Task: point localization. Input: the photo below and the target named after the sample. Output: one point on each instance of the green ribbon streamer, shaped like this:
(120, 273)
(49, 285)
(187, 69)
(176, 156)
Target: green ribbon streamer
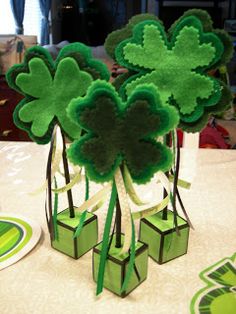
(83, 216)
(131, 261)
(55, 209)
(105, 240)
(86, 188)
(171, 198)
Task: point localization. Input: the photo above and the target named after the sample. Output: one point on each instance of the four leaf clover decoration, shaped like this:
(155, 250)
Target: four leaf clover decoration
(177, 66)
(118, 131)
(49, 86)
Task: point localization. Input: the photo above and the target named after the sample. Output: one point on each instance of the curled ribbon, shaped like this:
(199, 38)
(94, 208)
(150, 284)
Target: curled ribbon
(76, 179)
(182, 183)
(56, 160)
(95, 199)
(162, 178)
(130, 188)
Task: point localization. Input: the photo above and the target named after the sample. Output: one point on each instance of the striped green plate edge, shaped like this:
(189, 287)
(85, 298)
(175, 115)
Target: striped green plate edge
(10, 235)
(30, 237)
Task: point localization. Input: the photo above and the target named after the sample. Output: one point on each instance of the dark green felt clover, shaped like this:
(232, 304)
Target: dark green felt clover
(118, 131)
(49, 86)
(177, 66)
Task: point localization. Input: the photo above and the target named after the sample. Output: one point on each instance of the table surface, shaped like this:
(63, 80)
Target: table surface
(46, 281)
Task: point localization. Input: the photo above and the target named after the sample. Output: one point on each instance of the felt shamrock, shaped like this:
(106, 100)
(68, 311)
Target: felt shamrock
(49, 86)
(118, 131)
(115, 37)
(207, 25)
(178, 67)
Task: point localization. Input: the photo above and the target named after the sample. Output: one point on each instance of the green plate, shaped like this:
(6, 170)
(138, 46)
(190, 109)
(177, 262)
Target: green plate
(18, 236)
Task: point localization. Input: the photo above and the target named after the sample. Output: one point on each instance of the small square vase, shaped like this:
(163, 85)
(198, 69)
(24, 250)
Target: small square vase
(66, 227)
(164, 244)
(116, 267)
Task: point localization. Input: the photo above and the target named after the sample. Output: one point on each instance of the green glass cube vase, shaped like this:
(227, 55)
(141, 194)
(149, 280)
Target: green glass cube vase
(164, 244)
(66, 227)
(116, 267)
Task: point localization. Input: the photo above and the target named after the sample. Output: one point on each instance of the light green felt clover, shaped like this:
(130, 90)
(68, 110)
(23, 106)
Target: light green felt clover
(177, 66)
(51, 95)
(115, 37)
(118, 131)
(207, 25)
(49, 86)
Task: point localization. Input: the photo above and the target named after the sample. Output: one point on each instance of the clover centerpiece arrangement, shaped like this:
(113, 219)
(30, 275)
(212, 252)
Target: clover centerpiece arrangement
(122, 133)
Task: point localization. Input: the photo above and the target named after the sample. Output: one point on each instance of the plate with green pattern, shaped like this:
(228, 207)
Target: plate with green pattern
(18, 236)
(219, 294)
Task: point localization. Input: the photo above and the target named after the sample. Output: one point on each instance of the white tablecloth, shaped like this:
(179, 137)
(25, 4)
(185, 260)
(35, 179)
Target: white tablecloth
(46, 281)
